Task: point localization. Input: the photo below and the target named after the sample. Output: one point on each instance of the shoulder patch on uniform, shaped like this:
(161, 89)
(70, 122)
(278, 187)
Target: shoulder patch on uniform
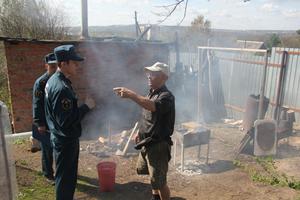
(38, 93)
(66, 104)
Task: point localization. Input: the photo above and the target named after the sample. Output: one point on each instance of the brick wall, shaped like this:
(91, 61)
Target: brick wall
(107, 65)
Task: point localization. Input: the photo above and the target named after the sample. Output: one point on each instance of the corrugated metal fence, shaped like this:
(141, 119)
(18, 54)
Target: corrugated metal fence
(241, 74)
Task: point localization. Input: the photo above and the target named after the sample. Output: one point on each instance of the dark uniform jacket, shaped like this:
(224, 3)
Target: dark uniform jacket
(159, 125)
(38, 95)
(62, 112)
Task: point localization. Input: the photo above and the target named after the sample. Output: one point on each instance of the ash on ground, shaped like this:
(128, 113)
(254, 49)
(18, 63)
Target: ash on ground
(193, 167)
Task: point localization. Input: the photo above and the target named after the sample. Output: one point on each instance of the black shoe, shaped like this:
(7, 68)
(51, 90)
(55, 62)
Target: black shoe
(35, 149)
(50, 180)
(155, 197)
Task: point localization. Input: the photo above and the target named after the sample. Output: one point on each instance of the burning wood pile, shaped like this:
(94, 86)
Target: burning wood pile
(121, 144)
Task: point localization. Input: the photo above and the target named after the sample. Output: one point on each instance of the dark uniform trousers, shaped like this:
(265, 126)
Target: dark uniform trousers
(47, 159)
(39, 119)
(66, 160)
(63, 118)
(47, 152)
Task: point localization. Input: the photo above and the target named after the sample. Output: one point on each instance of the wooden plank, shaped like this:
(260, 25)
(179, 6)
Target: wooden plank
(245, 140)
(234, 108)
(233, 49)
(289, 52)
(192, 125)
(250, 62)
(272, 103)
(295, 109)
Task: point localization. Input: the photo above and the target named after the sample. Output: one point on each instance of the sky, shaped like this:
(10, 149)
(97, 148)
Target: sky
(223, 14)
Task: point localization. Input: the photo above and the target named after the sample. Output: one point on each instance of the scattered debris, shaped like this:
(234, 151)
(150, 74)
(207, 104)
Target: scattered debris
(193, 167)
(234, 123)
(227, 121)
(101, 139)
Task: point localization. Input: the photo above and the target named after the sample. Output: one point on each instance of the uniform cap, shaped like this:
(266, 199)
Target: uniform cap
(50, 58)
(66, 53)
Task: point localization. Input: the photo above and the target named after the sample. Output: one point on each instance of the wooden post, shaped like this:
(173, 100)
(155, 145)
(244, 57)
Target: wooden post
(199, 151)
(262, 89)
(199, 88)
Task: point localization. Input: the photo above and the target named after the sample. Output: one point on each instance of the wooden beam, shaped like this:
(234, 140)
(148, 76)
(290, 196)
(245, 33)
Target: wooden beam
(234, 108)
(250, 62)
(289, 52)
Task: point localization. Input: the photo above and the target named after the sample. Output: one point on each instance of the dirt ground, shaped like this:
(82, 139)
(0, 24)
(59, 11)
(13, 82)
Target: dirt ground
(220, 179)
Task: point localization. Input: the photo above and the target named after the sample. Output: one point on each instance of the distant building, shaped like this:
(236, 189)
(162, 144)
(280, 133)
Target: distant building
(246, 44)
(152, 34)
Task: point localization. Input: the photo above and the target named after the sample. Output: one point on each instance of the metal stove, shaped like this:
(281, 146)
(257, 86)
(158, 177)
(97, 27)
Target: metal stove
(188, 135)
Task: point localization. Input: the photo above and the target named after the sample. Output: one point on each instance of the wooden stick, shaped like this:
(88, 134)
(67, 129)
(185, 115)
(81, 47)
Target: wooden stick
(127, 144)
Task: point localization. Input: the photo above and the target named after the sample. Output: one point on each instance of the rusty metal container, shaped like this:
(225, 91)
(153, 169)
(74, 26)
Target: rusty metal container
(285, 123)
(251, 111)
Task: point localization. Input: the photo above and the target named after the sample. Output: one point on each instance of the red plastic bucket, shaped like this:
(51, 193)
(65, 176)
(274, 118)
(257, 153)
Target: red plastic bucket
(106, 175)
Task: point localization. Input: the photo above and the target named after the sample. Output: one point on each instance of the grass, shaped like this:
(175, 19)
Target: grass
(33, 186)
(19, 141)
(268, 173)
(23, 162)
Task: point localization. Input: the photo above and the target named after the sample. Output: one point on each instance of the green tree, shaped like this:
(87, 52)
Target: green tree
(298, 32)
(274, 41)
(197, 33)
(36, 19)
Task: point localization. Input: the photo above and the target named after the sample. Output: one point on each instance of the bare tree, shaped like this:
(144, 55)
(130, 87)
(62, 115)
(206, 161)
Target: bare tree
(32, 19)
(170, 9)
(4, 92)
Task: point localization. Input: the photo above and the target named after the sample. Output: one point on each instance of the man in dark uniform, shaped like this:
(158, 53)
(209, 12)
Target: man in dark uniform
(63, 117)
(40, 129)
(156, 128)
